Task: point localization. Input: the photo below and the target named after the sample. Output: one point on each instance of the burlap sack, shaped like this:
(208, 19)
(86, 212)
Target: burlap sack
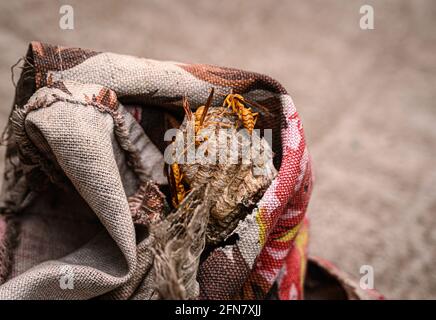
(84, 187)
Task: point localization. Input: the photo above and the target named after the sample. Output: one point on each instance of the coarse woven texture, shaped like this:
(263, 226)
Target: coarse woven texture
(70, 133)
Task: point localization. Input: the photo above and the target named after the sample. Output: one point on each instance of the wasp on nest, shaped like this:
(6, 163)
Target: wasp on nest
(228, 155)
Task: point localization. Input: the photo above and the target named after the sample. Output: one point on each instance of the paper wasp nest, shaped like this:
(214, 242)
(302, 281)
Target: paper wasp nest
(235, 162)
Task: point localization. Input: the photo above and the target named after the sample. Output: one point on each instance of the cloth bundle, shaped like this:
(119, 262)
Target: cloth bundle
(84, 189)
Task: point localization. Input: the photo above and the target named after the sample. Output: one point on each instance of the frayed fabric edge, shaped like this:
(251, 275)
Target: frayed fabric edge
(8, 241)
(179, 242)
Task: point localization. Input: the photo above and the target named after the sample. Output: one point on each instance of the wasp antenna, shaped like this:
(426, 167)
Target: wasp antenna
(207, 106)
(209, 99)
(258, 106)
(187, 108)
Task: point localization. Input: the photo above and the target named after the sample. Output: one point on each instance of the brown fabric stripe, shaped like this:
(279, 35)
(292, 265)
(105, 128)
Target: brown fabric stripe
(47, 58)
(240, 81)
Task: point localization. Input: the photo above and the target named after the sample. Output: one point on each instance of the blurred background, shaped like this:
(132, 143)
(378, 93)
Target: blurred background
(367, 99)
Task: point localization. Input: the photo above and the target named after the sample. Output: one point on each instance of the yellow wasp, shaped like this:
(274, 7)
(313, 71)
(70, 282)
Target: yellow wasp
(245, 115)
(176, 176)
(176, 184)
(199, 115)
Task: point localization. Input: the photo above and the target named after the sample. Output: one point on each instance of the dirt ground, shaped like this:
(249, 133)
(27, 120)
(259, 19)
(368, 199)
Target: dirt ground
(366, 97)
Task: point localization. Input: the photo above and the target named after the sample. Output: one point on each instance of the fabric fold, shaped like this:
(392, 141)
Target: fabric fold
(79, 136)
